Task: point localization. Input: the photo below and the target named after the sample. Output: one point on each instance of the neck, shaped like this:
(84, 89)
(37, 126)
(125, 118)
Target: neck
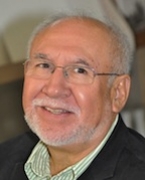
(64, 157)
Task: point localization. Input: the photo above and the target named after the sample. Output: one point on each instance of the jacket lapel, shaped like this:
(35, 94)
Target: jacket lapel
(20, 156)
(18, 172)
(104, 165)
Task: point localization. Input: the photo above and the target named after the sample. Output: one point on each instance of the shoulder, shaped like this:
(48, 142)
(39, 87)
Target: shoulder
(130, 136)
(131, 161)
(136, 144)
(19, 146)
(131, 140)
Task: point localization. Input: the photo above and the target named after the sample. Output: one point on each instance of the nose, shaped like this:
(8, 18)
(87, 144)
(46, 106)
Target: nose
(57, 86)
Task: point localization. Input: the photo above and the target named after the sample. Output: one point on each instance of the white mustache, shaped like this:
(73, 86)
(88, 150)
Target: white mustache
(56, 104)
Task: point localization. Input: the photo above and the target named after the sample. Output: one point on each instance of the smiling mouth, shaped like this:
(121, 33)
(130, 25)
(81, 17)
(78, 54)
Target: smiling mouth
(56, 111)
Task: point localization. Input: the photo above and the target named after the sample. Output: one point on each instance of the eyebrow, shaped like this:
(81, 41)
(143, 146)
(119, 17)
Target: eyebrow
(82, 61)
(77, 61)
(41, 56)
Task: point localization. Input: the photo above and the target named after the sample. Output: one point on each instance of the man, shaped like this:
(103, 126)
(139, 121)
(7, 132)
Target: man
(76, 83)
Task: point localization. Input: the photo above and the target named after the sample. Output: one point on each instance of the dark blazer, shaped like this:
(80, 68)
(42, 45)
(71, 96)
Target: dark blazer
(122, 158)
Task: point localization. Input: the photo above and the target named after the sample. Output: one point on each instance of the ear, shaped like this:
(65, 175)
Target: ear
(120, 92)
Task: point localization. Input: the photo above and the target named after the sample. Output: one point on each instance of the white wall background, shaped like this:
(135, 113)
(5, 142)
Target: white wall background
(11, 9)
(18, 18)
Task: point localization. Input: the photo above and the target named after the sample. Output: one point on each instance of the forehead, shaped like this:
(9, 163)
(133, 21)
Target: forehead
(85, 28)
(88, 35)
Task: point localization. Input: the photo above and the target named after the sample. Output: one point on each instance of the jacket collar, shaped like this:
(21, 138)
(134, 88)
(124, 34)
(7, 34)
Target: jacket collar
(105, 163)
(19, 157)
(18, 172)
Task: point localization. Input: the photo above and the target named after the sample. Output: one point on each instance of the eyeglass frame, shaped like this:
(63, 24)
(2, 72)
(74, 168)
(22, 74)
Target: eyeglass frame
(94, 73)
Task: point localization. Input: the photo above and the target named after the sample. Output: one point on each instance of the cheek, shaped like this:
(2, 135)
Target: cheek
(88, 100)
(30, 90)
(92, 101)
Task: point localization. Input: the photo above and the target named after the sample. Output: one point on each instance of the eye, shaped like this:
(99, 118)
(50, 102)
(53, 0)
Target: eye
(81, 70)
(43, 65)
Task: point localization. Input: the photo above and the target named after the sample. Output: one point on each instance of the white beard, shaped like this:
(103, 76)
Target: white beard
(79, 133)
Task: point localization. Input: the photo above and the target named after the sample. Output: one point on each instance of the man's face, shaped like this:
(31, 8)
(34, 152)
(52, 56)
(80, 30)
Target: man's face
(62, 112)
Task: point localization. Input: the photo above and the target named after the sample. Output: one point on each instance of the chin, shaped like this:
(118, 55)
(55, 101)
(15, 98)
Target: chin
(59, 138)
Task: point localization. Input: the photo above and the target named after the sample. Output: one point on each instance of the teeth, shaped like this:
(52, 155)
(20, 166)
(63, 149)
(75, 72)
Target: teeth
(56, 111)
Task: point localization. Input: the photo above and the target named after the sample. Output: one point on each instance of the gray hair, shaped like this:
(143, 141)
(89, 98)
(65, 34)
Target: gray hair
(121, 53)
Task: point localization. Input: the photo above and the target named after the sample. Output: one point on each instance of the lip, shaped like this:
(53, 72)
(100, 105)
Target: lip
(55, 115)
(56, 111)
(55, 107)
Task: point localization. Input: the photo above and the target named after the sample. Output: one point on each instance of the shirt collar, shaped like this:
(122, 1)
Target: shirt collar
(38, 162)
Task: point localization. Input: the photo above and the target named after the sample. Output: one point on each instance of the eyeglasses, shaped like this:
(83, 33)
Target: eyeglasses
(74, 73)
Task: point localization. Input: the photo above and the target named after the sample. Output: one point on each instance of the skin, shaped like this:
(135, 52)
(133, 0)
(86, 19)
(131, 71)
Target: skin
(73, 135)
